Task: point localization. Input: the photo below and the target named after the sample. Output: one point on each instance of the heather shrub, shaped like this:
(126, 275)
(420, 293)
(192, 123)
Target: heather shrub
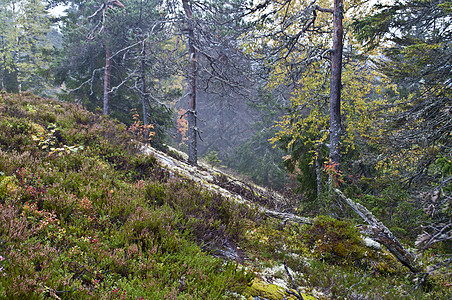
(84, 215)
(210, 218)
(336, 241)
(155, 193)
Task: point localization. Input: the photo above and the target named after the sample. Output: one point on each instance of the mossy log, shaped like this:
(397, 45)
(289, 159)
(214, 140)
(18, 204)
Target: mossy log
(208, 178)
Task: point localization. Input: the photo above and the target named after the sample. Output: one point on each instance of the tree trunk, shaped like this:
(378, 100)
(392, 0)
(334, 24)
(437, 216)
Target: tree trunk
(318, 172)
(191, 112)
(335, 88)
(221, 127)
(107, 77)
(144, 92)
(286, 217)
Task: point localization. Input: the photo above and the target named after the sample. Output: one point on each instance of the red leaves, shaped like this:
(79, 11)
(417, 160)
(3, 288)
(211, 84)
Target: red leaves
(333, 172)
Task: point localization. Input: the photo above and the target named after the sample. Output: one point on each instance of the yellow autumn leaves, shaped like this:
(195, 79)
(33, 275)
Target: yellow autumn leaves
(363, 96)
(306, 69)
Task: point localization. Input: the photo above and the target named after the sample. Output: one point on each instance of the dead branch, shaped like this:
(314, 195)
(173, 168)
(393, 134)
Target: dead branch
(89, 80)
(285, 217)
(103, 8)
(297, 294)
(322, 9)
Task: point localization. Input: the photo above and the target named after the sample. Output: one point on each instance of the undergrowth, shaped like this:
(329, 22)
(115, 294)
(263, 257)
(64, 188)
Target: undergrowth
(330, 257)
(85, 215)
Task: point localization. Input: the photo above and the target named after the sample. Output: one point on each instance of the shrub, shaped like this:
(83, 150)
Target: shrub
(95, 223)
(336, 241)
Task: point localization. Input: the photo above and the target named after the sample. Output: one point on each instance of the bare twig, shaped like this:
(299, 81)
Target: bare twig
(297, 294)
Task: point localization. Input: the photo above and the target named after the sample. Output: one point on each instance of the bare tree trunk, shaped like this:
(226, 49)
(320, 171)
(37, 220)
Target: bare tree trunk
(318, 172)
(144, 91)
(107, 77)
(191, 112)
(221, 127)
(286, 217)
(335, 89)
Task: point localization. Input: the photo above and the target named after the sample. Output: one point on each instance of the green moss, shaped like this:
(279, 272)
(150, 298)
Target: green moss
(336, 241)
(8, 186)
(270, 292)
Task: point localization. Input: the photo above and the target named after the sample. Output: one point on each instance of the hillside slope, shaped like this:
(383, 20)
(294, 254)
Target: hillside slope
(87, 212)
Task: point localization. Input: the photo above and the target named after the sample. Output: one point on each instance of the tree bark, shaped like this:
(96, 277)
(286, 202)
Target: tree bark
(335, 88)
(107, 78)
(285, 217)
(191, 112)
(318, 176)
(144, 91)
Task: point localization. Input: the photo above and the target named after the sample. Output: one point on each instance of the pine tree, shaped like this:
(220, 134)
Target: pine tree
(417, 41)
(116, 57)
(25, 54)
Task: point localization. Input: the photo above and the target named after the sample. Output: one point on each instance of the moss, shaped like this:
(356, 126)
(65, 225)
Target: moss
(8, 185)
(37, 128)
(336, 241)
(270, 292)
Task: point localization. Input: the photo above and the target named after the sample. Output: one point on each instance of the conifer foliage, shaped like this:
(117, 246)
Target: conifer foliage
(25, 52)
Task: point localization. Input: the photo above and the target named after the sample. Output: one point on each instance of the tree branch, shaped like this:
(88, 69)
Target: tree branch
(322, 9)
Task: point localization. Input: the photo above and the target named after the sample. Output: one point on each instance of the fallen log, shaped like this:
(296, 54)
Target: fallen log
(287, 217)
(376, 230)
(380, 233)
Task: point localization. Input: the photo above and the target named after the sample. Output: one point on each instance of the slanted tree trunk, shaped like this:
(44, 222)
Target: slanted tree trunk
(335, 88)
(191, 112)
(380, 233)
(287, 217)
(107, 78)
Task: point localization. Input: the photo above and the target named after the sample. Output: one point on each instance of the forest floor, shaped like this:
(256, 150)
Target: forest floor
(87, 212)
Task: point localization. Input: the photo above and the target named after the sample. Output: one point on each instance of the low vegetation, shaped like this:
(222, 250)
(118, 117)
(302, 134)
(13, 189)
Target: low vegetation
(85, 215)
